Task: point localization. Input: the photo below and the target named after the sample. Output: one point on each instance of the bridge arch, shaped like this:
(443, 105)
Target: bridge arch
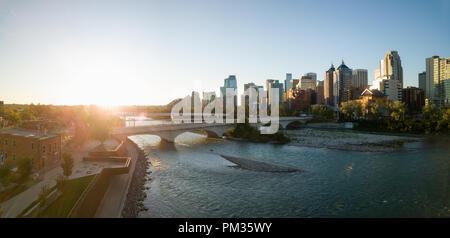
(285, 124)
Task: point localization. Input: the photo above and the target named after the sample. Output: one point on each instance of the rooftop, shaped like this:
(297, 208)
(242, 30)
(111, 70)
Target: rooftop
(28, 133)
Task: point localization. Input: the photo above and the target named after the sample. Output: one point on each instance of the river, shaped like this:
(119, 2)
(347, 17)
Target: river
(190, 179)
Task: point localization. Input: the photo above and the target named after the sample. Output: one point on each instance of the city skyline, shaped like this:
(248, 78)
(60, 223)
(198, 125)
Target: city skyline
(79, 53)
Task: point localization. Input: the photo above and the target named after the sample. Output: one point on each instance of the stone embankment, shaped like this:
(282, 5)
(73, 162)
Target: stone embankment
(136, 192)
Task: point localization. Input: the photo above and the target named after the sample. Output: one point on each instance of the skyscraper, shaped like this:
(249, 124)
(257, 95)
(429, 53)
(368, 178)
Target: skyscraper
(307, 82)
(391, 66)
(256, 87)
(342, 84)
(313, 77)
(389, 77)
(423, 81)
(438, 80)
(319, 92)
(359, 78)
(273, 83)
(287, 82)
(229, 83)
(328, 86)
(293, 83)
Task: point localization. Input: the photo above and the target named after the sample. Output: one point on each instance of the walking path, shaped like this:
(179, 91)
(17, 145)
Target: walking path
(114, 199)
(15, 205)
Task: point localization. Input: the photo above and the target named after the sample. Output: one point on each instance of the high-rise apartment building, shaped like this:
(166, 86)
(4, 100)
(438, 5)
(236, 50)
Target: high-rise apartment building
(438, 80)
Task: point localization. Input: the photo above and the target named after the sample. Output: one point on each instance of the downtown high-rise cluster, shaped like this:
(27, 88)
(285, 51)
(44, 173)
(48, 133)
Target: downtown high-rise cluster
(343, 84)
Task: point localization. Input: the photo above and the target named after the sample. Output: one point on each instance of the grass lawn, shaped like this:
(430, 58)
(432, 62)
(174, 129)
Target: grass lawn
(13, 191)
(62, 206)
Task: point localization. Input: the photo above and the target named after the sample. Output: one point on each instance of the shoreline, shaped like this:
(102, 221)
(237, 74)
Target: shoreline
(135, 194)
(385, 143)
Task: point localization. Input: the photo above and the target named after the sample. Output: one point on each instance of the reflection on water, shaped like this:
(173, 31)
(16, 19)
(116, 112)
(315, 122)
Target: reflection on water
(191, 180)
(136, 121)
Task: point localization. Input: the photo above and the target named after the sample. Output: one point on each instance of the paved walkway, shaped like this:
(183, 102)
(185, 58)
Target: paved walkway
(18, 203)
(114, 199)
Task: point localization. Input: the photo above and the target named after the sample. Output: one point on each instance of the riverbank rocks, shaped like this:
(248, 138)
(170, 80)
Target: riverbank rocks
(136, 194)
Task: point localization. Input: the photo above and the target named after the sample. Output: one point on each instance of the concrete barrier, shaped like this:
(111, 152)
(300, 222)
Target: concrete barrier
(87, 204)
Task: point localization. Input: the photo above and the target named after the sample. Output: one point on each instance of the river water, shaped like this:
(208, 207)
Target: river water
(190, 179)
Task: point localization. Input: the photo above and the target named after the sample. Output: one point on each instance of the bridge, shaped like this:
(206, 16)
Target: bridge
(168, 132)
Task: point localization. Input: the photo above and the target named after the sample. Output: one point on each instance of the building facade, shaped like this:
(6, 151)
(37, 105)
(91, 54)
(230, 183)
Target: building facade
(313, 77)
(306, 82)
(273, 83)
(342, 84)
(414, 99)
(328, 86)
(389, 77)
(437, 80)
(287, 82)
(423, 81)
(18, 144)
(229, 83)
(391, 67)
(320, 92)
(359, 78)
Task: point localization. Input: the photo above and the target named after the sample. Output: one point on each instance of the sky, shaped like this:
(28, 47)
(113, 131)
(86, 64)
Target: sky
(151, 52)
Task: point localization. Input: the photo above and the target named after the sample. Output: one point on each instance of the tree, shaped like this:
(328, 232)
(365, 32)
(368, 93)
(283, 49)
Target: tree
(397, 110)
(301, 101)
(322, 113)
(61, 182)
(351, 109)
(42, 196)
(430, 117)
(67, 164)
(24, 167)
(26, 114)
(5, 174)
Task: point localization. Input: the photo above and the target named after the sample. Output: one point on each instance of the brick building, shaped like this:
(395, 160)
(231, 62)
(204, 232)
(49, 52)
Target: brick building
(17, 144)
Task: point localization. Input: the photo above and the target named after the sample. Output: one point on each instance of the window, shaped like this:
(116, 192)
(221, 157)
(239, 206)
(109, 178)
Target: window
(14, 157)
(14, 143)
(43, 148)
(56, 148)
(50, 148)
(32, 146)
(6, 141)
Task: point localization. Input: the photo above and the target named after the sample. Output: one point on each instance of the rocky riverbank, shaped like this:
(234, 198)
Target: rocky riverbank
(133, 204)
(348, 141)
